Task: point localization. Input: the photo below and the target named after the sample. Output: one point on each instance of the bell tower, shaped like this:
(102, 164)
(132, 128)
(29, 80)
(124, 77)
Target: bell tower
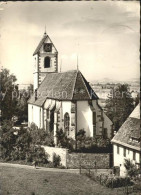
(46, 60)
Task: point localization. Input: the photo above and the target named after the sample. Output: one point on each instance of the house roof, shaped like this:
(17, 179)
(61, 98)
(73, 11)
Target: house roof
(129, 134)
(69, 85)
(41, 43)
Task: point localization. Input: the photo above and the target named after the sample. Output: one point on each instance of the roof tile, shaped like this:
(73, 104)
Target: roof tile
(69, 85)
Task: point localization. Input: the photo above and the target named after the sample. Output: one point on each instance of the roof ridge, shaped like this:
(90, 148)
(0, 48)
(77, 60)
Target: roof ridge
(84, 84)
(74, 85)
(40, 44)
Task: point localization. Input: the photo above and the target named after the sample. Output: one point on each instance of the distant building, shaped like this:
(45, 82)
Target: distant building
(127, 142)
(64, 100)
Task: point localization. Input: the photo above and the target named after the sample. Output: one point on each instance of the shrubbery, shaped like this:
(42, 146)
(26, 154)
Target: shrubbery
(111, 181)
(83, 143)
(56, 160)
(40, 136)
(64, 141)
(21, 144)
(132, 170)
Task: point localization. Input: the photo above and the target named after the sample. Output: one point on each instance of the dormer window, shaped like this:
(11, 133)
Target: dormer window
(47, 62)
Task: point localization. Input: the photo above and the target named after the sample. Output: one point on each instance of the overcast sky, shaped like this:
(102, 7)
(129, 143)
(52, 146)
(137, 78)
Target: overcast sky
(105, 35)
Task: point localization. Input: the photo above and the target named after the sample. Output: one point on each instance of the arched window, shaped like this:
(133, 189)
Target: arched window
(66, 122)
(51, 120)
(47, 62)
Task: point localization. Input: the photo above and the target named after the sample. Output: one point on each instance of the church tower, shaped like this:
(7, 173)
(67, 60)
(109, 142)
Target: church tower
(46, 60)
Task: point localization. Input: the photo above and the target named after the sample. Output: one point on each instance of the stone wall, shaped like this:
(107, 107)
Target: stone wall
(73, 160)
(88, 160)
(62, 152)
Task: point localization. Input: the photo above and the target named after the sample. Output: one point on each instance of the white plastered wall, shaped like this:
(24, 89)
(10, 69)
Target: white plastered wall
(35, 115)
(84, 117)
(119, 158)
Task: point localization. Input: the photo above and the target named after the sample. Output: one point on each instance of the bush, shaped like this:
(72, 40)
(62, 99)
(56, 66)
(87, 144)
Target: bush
(22, 145)
(56, 160)
(131, 168)
(40, 136)
(83, 143)
(65, 142)
(37, 153)
(89, 144)
(111, 181)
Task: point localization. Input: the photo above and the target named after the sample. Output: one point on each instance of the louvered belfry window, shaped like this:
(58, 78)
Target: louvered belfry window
(66, 122)
(47, 62)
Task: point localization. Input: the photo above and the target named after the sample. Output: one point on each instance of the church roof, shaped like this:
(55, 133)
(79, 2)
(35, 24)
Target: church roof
(41, 43)
(129, 135)
(69, 85)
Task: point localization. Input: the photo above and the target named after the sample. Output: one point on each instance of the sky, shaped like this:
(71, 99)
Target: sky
(105, 35)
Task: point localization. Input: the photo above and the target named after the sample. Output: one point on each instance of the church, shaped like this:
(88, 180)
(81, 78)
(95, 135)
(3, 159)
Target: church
(64, 100)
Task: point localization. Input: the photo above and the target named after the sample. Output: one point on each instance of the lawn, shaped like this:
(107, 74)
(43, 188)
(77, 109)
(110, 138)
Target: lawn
(30, 181)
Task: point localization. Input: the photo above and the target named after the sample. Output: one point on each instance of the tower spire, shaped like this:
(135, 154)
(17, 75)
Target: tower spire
(45, 31)
(61, 66)
(77, 63)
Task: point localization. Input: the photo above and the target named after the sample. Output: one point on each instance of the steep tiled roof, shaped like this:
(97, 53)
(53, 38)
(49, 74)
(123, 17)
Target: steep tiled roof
(69, 85)
(40, 44)
(129, 134)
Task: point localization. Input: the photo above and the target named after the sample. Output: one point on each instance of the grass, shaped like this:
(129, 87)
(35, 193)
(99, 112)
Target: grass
(30, 181)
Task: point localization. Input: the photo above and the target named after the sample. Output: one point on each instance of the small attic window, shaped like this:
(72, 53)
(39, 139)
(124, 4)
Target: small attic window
(47, 62)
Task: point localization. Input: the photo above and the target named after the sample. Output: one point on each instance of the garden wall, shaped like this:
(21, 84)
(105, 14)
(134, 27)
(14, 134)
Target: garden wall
(88, 160)
(74, 160)
(62, 152)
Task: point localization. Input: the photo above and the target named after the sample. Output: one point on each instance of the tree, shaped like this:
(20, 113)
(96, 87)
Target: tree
(20, 144)
(7, 90)
(7, 139)
(13, 101)
(22, 106)
(119, 105)
(131, 168)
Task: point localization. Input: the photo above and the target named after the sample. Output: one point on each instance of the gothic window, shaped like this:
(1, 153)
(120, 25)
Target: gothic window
(32, 113)
(105, 133)
(52, 120)
(117, 149)
(134, 155)
(47, 112)
(66, 122)
(47, 62)
(124, 152)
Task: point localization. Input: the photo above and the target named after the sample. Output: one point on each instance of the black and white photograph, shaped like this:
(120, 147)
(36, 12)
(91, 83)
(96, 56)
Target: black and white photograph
(70, 98)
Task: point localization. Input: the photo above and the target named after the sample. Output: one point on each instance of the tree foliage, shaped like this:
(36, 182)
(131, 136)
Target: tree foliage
(83, 143)
(22, 106)
(20, 145)
(119, 105)
(131, 168)
(13, 101)
(8, 104)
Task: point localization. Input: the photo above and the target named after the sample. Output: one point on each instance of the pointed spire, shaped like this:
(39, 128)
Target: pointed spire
(45, 31)
(77, 63)
(61, 66)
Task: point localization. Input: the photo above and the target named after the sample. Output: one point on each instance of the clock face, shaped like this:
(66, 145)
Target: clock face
(48, 47)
